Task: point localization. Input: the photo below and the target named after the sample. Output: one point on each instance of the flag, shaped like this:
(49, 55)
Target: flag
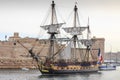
(100, 58)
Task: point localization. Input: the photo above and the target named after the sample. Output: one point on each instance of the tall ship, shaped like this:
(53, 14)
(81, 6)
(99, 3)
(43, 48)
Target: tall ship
(74, 55)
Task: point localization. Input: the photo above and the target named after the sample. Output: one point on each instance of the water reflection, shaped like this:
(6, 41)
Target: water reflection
(35, 75)
(82, 76)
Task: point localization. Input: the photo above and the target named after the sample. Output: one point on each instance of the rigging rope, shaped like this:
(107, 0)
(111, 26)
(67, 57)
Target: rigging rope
(46, 17)
(41, 49)
(57, 10)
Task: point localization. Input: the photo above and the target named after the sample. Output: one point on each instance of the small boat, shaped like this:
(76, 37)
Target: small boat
(107, 67)
(25, 69)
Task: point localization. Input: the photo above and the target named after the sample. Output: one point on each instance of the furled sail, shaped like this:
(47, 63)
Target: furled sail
(52, 28)
(75, 30)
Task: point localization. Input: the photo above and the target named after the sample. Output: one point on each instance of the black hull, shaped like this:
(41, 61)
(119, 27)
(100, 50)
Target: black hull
(69, 71)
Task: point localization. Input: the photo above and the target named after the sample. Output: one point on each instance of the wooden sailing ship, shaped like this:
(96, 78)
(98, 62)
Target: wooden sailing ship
(69, 57)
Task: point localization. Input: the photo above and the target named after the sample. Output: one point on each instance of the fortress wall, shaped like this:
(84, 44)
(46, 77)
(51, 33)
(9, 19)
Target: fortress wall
(13, 55)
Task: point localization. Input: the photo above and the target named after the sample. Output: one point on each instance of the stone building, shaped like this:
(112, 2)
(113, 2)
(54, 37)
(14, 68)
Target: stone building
(15, 55)
(14, 37)
(99, 43)
(113, 56)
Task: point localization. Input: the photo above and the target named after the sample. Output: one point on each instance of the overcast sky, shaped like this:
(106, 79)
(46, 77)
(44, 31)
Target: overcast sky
(25, 17)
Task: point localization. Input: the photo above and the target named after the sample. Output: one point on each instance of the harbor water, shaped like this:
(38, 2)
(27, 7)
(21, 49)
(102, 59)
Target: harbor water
(13, 74)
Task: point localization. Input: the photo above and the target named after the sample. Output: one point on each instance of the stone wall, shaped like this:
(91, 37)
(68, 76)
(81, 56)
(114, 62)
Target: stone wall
(17, 63)
(99, 43)
(14, 55)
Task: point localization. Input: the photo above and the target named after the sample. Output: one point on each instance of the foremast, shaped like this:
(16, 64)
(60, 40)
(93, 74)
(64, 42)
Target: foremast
(53, 29)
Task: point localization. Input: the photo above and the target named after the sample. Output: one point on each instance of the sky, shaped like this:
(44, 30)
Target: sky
(25, 17)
